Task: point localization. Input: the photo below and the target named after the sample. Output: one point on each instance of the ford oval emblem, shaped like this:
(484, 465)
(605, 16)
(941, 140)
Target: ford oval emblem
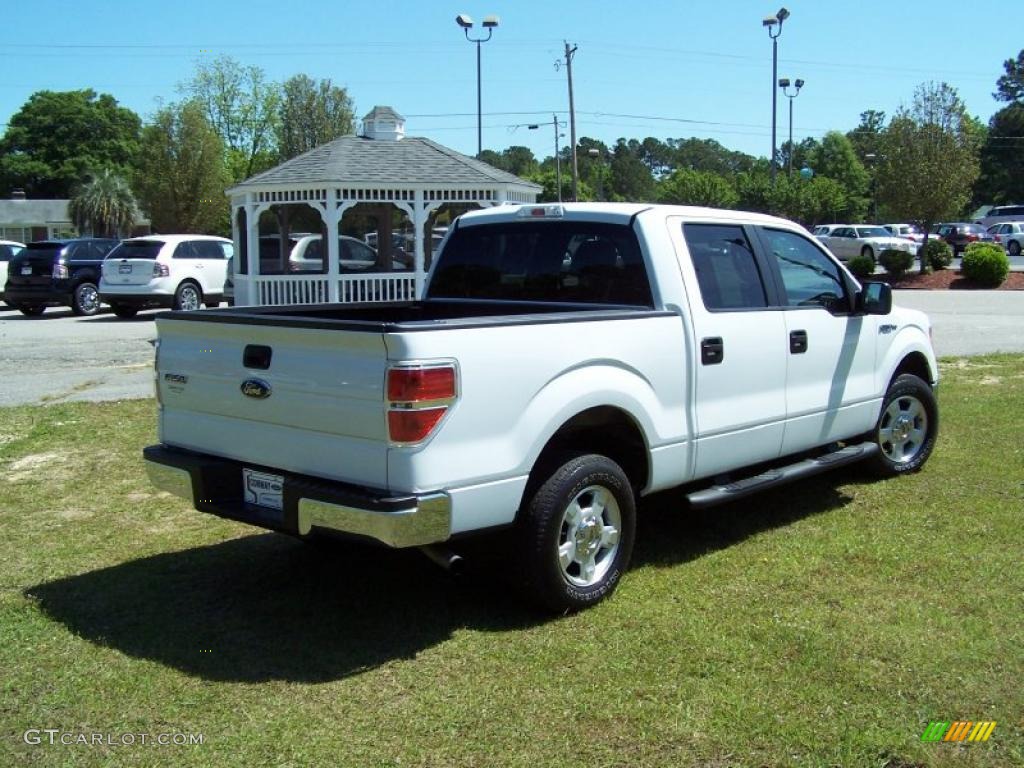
(257, 388)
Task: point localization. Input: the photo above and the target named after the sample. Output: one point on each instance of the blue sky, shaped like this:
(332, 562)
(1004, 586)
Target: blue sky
(664, 69)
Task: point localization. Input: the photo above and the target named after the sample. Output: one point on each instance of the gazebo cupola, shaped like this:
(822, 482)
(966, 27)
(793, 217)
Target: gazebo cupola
(379, 171)
(383, 124)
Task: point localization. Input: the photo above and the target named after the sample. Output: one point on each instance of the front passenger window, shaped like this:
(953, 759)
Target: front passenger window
(810, 278)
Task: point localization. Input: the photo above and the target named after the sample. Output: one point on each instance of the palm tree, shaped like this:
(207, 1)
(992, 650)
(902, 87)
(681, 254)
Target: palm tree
(104, 204)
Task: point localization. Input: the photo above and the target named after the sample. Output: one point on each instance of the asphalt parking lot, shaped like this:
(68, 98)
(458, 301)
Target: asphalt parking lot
(59, 357)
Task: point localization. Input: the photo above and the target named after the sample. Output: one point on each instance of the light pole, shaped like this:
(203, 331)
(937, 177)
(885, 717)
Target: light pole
(558, 160)
(489, 23)
(784, 85)
(774, 26)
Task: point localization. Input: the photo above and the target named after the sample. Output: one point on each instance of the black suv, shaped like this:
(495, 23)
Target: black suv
(57, 272)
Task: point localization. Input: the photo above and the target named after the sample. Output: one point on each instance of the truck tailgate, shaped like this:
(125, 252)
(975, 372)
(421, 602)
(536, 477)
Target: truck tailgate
(323, 409)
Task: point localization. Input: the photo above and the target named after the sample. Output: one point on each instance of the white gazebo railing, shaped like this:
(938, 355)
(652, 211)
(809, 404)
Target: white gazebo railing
(278, 290)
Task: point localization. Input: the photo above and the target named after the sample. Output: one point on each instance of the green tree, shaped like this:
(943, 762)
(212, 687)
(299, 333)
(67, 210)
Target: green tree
(708, 155)
(631, 179)
(311, 114)
(866, 138)
(58, 138)
(181, 175)
(104, 205)
(1010, 86)
(242, 107)
(685, 186)
(836, 159)
(929, 158)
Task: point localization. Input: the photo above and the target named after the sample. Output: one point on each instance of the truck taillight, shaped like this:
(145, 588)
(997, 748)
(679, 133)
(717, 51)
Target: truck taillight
(161, 270)
(60, 271)
(418, 398)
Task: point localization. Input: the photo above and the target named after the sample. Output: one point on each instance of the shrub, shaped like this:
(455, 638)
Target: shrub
(937, 253)
(896, 263)
(986, 264)
(862, 266)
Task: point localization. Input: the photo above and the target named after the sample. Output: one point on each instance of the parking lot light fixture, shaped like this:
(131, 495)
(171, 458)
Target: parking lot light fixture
(774, 26)
(489, 23)
(784, 85)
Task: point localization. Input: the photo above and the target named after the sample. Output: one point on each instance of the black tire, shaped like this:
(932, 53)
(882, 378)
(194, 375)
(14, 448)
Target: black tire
(869, 252)
(907, 426)
(124, 311)
(188, 297)
(85, 300)
(1013, 248)
(543, 529)
(32, 310)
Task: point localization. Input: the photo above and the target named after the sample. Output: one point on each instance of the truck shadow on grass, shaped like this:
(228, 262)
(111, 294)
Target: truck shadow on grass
(266, 607)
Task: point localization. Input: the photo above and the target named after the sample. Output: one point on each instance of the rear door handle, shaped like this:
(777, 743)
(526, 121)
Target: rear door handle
(798, 342)
(712, 351)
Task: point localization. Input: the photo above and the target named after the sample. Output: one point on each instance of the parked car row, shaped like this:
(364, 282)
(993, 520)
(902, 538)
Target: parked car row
(180, 271)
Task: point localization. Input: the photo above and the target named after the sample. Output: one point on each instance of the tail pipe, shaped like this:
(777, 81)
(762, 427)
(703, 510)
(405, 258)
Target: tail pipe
(445, 558)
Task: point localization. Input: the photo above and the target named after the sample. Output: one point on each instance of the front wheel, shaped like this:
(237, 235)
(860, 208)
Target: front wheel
(188, 297)
(907, 427)
(868, 252)
(577, 534)
(85, 300)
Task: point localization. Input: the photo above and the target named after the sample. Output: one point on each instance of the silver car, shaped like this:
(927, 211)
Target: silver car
(849, 240)
(1010, 235)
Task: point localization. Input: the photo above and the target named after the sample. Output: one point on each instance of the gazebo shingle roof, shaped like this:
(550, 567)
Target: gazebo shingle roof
(357, 160)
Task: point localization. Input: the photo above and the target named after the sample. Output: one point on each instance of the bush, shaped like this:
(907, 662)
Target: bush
(896, 263)
(862, 266)
(937, 253)
(986, 264)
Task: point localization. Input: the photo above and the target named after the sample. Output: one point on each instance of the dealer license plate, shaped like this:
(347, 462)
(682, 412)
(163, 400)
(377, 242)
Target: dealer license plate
(124, 269)
(263, 489)
(26, 270)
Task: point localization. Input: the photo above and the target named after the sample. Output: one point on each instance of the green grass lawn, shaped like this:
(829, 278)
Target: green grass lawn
(821, 624)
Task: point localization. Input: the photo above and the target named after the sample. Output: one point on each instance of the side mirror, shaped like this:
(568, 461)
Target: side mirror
(875, 299)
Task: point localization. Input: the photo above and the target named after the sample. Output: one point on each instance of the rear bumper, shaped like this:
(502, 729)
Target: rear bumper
(37, 294)
(214, 485)
(132, 297)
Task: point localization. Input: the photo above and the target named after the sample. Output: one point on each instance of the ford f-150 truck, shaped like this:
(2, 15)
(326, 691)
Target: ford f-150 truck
(564, 360)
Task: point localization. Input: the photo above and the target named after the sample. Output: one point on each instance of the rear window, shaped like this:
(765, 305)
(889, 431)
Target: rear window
(577, 262)
(140, 249)
(36, 248)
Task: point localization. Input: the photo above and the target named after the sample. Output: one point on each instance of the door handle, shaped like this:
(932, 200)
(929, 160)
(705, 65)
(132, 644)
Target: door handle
(712, 351)
(798, 342)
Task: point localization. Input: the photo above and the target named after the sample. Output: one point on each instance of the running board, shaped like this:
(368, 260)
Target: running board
(720, 494)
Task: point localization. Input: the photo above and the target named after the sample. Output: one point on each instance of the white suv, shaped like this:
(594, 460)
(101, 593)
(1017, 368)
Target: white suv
(179, 271)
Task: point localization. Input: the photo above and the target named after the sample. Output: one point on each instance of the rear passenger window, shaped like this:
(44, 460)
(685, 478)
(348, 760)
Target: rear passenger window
(184, 251)
(727, 272)
(208, 249)
(810, 278)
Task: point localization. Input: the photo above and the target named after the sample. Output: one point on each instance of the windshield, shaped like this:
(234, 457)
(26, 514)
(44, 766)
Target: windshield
(873, 232)
(139, 249)
(579, 262)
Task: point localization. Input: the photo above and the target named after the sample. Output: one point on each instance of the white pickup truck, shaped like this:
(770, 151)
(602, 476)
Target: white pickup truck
(564, 360)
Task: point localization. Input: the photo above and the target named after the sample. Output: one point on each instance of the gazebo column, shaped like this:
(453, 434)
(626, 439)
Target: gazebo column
(331, 215)
(420, 213)
(252, 235)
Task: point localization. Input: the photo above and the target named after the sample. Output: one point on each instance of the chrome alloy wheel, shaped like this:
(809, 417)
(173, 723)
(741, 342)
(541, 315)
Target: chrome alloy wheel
(188, 298)
(903, 429)
(89, 299)
(589, 537)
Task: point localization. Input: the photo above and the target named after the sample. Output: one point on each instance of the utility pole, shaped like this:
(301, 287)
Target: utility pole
(569, 53)
(558, 160)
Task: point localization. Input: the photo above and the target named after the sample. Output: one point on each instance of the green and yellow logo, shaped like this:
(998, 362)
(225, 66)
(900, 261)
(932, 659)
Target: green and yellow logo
(961, 730)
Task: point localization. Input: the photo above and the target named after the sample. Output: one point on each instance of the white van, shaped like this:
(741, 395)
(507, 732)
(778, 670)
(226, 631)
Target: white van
(1001, 213)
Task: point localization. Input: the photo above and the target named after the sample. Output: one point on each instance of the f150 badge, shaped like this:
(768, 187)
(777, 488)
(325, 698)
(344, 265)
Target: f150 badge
(256, 388)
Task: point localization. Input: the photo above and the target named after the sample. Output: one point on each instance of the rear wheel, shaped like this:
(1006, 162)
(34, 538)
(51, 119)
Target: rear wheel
(576, 534)
(907, 427)
(868, 252)
(188, 297)
(85, 300)
(1013, 248)
(32, 310)
(124, 311)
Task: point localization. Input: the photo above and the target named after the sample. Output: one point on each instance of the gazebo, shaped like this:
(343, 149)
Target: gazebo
(376, 170)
